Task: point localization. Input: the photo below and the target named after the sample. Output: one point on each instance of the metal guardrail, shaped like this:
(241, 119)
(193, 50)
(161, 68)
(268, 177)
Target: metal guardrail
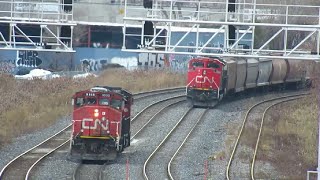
(35, 11)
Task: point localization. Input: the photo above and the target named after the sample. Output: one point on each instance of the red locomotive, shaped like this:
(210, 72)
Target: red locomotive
(212, 78)
(205, 78)
(101, 123)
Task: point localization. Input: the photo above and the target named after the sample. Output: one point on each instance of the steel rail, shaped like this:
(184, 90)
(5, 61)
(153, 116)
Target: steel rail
(100, 173)
(153, 104)
(75, 172)
(8, 164)
(29, 170)
(185, 139)
(162, 142)
(172, 104)
(61, 131)
(159, 90)
(159, 93)
(260, 131)
(244, 122)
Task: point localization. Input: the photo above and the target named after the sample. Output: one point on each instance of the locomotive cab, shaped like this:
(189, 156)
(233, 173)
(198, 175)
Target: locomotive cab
(205, 81)
(101, 123)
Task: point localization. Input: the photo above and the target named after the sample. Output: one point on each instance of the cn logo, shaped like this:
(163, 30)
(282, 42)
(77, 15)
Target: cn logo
(90, 124)
(203, 79)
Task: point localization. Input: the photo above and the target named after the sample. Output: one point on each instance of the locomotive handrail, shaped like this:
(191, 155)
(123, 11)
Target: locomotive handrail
(189, 85)
(217, 87)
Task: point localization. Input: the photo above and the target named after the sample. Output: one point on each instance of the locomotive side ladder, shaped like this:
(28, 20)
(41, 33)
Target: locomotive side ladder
(237, 22)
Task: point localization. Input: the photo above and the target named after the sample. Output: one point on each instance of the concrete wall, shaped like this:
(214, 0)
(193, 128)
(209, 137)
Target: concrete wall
(12, 61)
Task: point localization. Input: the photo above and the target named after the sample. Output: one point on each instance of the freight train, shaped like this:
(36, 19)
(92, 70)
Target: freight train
(212, 78)
(101, 123)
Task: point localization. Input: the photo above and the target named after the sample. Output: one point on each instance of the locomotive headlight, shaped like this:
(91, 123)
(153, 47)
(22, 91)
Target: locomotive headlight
(103, 118)
(96, 113)
(204, 72)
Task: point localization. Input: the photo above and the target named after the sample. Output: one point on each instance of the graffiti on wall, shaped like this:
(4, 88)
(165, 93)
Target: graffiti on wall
(7, 66)
(179, 62)
(88, 65)
(28, 59)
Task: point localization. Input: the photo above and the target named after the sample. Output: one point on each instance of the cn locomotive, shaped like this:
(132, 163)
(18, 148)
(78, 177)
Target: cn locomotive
(101, 123)
(212, 78)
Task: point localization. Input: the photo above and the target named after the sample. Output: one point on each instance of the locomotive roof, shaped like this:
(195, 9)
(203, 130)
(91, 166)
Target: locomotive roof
(102, 89)
(118, 90)
(209, 58)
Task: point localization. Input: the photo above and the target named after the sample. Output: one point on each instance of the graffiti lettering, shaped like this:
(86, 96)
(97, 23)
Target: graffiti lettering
(28, 59)
(88, 65)
(87, 124)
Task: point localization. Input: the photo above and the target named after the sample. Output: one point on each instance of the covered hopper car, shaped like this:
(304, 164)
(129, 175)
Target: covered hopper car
(211, 78)
(101, 123)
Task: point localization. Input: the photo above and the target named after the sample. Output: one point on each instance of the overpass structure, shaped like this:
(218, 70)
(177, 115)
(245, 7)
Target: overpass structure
(281, 30)
(278, 30)
(41, 25)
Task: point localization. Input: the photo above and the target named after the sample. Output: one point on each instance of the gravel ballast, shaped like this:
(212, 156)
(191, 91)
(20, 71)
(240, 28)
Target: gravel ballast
(207, 144)
(144, 143)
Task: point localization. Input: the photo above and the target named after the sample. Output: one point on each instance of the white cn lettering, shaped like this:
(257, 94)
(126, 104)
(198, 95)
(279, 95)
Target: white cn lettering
(95, 123)
(203, 79)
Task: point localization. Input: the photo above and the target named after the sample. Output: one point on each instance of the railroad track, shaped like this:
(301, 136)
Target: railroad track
(165, 147)
(21, 167)
(248, 145)
(143, 95)
(145, 116)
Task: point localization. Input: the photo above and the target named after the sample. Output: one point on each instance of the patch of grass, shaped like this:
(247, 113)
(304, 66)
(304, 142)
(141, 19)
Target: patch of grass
(289, 139)
(30, 105)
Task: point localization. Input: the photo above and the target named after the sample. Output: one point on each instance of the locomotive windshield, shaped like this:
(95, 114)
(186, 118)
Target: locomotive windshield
(79, 101)
(116, 103)
(104, 102)
(213, 65)
(197, 64)
(90, 101)
(103, 99)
